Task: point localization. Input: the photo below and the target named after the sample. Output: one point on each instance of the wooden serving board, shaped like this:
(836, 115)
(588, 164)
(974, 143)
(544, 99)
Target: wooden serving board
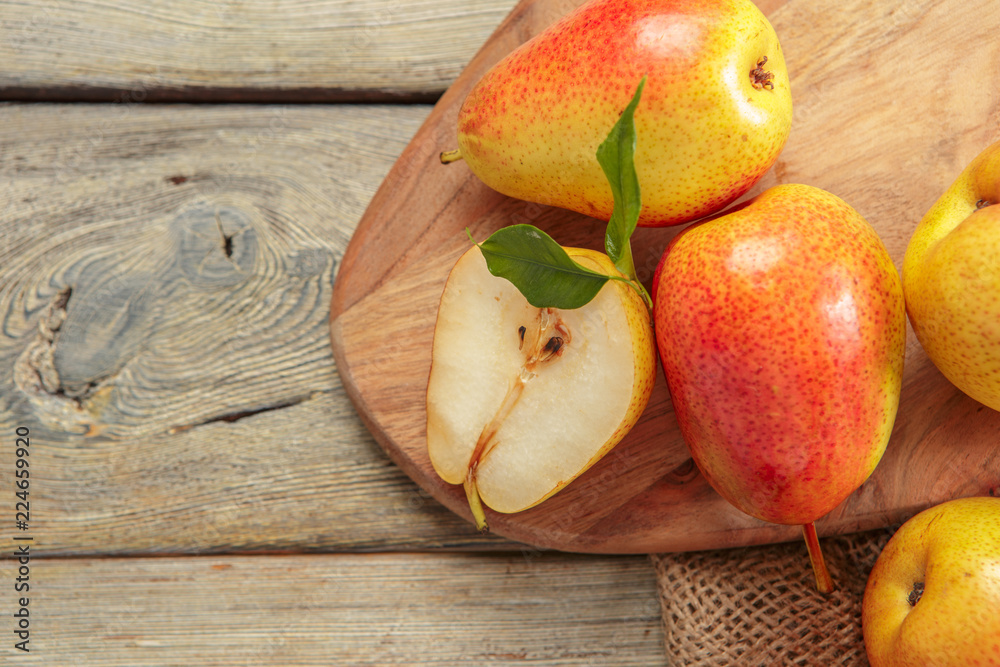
(891, 99)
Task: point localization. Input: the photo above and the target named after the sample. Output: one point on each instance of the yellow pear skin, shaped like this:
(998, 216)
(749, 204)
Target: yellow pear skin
(934, 594)
(951, 279)
(715, 112)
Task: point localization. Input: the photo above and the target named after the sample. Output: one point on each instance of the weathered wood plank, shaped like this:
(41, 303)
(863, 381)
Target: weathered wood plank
(165, 276)
(379, 609)
(239, 50)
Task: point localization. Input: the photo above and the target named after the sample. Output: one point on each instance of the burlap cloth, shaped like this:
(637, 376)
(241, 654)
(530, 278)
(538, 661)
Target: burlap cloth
(759, 606)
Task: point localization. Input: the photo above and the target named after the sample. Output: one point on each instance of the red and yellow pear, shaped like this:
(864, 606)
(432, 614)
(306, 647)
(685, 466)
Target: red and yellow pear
(951, 278)
(716, 111)
(781, 328)
(934, 593)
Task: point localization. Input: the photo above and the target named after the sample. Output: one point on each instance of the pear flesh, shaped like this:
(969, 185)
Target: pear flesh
(520, 399)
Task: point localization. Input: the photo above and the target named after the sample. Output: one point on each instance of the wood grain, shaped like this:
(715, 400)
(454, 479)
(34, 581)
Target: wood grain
(239, 50)
(378, 609)
(868, 126)
(165, 274)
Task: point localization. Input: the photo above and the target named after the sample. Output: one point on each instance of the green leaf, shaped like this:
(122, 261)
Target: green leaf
(617, 158)
(540, 268)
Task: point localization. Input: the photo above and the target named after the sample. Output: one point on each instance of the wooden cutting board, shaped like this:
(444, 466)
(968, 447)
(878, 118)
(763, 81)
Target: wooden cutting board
(891, 99)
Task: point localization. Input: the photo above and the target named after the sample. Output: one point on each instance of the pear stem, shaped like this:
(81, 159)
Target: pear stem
(824, 583)
(475, 504)
(448, 157)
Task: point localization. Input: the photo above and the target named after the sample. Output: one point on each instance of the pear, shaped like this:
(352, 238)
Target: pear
(933, 595)
(521, 400)
(716, 111)
(951, 278)
(781, 328)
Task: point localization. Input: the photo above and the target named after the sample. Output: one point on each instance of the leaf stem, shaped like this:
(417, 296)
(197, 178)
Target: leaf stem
(639, 288)
(625, 264)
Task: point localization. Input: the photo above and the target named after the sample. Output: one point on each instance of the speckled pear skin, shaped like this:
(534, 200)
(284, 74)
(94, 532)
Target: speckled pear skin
(531, 126)
(951, 278)
(953, 550)
(781, 329)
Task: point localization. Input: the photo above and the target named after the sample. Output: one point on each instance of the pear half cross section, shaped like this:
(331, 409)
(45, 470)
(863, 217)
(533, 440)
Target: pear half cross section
(521, 400)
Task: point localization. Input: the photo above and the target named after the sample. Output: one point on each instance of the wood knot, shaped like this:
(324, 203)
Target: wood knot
(682, 474)
(216, 247)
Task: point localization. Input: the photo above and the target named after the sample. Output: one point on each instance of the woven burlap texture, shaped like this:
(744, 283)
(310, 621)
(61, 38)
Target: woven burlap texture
(759, 606)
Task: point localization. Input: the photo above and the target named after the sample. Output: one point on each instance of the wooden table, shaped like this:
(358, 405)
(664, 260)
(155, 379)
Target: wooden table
(179, 182)
(201, 490)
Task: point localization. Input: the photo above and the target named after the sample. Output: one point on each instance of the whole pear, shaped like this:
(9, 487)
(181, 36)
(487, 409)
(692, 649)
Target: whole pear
(781, 328)
(934, 593)
(715, 113)
(951, 278)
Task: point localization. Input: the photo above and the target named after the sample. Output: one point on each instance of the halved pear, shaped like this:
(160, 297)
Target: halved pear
(521, 400)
